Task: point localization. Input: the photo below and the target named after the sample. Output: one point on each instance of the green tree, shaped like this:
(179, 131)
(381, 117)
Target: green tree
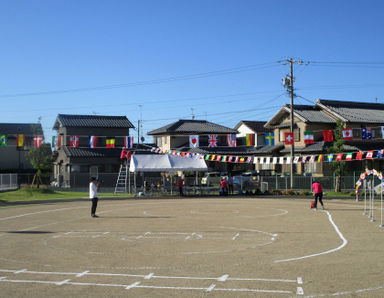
(338, 147)
(41, 160)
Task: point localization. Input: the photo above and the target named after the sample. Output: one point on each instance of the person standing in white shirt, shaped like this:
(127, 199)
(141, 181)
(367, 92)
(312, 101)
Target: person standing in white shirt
(93, 195)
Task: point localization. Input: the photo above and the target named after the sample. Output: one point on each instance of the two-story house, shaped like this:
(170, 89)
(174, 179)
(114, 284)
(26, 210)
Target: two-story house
(89, 144)
(176, 136)
(12, 155)
(323, 116)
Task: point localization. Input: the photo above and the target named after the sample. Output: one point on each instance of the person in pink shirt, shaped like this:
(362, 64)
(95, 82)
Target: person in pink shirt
(318, 191)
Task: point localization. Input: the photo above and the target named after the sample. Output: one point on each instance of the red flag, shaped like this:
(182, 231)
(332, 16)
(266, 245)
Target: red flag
(289, 139)
(37, 141)
(347, 134)
(369, 154)
(359, 155)
(339, 156)
(328, 135)
(74, 141)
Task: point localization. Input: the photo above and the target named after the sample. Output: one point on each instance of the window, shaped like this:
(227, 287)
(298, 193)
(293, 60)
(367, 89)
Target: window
(297, 134)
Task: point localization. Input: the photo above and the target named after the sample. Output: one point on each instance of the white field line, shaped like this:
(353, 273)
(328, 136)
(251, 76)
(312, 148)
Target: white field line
(345, 241)
(39, 212)
(147, 276)
(138, 285)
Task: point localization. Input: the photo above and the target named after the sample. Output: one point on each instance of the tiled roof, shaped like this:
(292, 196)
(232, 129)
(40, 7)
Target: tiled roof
(222, 150)
(21, 128)
(269, 149)
(105, 152)
(190, 127)
(307, 114)
(92, 121)
(351, 111)
(92, 152)
(349, 146)
(256, 126)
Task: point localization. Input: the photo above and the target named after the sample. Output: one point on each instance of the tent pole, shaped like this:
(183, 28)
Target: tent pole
(381, 204)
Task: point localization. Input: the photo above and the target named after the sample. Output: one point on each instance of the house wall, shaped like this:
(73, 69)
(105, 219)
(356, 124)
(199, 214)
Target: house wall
(13, 158)
(244, 130)
(102, 134)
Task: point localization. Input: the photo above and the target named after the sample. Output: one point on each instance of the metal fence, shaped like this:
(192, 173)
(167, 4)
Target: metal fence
(348, 183)
(8, 182)
(150, 183)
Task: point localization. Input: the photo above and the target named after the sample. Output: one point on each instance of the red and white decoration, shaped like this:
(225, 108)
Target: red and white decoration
(74, 141)
(289, 139)
(347, 134)
(193, 141)
(212, 140)
(38, 141)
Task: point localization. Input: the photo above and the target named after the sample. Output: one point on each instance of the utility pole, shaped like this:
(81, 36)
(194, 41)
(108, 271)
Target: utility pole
(288, 83)
(139, 124)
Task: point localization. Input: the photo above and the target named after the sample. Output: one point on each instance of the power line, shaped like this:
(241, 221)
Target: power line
(214, 73)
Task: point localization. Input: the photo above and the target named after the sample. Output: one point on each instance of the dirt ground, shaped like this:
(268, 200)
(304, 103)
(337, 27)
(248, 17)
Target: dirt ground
(208, 247)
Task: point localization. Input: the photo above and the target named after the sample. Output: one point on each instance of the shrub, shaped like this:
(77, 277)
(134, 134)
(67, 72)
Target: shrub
(291, 192)
(305, 193)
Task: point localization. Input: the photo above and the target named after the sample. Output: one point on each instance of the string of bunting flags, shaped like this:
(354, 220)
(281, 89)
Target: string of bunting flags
(350, 156)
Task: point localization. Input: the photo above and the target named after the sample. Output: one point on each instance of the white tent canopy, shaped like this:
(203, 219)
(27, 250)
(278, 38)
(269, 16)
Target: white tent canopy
(165, 163)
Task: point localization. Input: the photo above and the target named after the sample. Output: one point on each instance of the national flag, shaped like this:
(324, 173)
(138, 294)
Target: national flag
(339, 156)
(54, 142)
(250, 139)
(267, 160)
(288, 160)
(3, 140)
(309, 137)
(249, 159)
(347, 134)
(281, 160)
(231, 140)
(320, 158)
(366, 133)
(296, 159)
(92, 141)
(213, 156)
(193, 141)
(380, 153)
(270, 139)
(312, 159)
(128, 142)
(369, 154)
(212, 140)
(304, 159)
(182, 154)
(349, 156)
(74, 141)
(330, 157)
(224, 159)
(289, 139)
(328, 135)
(110, 143)
(359, 155)
(37, 141)
(218, 157)
(274, 160)
(230, 158)
(236, 159)
(242, 159)
(207, 156)
(20, 140)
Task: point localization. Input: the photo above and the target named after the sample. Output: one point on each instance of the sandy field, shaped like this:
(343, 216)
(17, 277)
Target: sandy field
(206, 247)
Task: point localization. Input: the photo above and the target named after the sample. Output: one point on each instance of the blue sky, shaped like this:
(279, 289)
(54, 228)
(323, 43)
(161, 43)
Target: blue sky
(109, 57)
